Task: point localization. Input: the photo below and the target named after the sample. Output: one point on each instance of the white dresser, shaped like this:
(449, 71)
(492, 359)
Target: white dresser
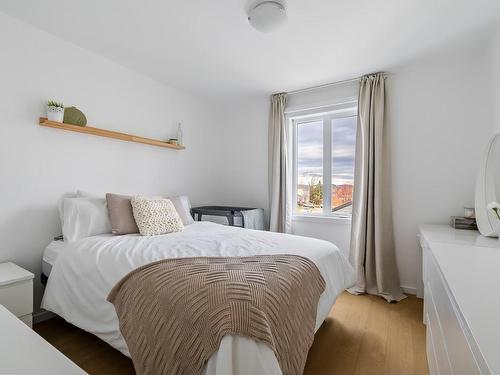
(16, 291)
(461, 275)
(23, 351)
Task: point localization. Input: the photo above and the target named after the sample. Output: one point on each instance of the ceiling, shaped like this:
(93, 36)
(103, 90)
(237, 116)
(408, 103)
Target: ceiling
(209, 48)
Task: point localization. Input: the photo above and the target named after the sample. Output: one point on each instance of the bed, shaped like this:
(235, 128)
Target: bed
(49, 257)
(86, 270)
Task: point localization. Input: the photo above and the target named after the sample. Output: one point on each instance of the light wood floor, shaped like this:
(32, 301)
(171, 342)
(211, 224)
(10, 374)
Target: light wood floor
(362, 335)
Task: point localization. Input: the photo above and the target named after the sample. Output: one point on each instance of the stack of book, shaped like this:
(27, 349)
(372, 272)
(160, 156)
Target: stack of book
(461, 222)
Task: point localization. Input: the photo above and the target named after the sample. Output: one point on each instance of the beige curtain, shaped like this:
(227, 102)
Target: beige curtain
(280, 188)
(372, 245)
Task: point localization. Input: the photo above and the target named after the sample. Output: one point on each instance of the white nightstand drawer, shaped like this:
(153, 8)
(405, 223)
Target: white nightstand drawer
(18, 297)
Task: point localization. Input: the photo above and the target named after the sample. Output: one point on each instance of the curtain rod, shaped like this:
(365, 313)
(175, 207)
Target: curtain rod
(323, 86)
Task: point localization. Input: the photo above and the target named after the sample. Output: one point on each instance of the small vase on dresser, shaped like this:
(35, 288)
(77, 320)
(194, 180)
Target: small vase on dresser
(180, 135)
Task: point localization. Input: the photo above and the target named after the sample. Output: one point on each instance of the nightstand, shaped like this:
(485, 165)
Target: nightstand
(16, 291)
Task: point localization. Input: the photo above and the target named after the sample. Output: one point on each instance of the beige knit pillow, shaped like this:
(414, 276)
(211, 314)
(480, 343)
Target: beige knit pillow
(155, 216)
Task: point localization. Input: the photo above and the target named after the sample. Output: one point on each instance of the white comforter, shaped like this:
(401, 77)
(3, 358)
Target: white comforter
(87, 270)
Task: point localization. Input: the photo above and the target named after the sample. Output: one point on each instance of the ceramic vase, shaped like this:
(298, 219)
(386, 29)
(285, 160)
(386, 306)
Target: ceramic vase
(55, 113)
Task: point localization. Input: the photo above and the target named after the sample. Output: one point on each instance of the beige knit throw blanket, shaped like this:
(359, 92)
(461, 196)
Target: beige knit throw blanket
(174, 313)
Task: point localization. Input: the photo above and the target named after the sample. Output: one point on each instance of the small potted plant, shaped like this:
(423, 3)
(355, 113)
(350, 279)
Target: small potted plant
(495, 207)
(55, 111)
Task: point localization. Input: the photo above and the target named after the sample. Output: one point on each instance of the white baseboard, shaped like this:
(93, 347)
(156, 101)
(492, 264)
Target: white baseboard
(42, 316)
(409, 290)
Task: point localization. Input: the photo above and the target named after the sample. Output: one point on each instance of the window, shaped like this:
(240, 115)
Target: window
(324, 149)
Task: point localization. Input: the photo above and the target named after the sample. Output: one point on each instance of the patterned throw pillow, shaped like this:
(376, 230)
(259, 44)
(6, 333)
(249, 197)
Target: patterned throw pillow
(155, 216)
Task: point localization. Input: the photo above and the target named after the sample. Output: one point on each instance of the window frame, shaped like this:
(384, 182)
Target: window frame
(325, 114)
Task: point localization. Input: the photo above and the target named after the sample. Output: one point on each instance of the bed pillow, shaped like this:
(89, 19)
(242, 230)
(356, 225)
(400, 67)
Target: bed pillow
(84, 217)
(155, 216)
(121, 215)
(60, 203)
(183, 207)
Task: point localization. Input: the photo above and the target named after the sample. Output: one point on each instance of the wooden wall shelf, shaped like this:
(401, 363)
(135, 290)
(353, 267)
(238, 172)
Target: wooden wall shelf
(107, 133)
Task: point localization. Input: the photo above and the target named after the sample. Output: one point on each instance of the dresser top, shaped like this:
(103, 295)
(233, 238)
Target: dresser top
(470, 263)
(23, 351)
(447, 234)
(12, 273)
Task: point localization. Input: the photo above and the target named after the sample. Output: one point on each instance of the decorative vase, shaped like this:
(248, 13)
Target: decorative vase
(55, 113)
(74, 116)
(180, 141)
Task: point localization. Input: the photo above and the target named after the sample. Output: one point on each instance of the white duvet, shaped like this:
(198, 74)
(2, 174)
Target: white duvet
(87, 270)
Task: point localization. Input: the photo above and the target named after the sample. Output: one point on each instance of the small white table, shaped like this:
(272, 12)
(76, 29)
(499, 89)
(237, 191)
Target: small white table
(24, 352)
(16, 291)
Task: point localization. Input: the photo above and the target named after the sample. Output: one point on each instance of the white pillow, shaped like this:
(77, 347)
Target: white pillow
(60, 203)
(155, 216)
(85, 217)
(183, 207)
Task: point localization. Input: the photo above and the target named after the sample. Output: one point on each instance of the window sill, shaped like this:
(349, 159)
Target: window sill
(322, 219)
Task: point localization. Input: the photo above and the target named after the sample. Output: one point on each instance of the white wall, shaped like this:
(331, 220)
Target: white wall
(440, 115)
(38, 164)
(241, 166)
(338, 93)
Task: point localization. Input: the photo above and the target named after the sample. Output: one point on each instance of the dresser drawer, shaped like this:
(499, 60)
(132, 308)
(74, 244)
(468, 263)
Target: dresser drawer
(18, 297)
(437, 352)
(459, 353)
(430, 349)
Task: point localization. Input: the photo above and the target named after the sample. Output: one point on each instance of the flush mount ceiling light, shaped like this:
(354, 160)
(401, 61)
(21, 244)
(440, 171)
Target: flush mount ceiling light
(267, 16)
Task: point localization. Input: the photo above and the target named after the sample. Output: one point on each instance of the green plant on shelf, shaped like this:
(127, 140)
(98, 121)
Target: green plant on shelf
(52, 103)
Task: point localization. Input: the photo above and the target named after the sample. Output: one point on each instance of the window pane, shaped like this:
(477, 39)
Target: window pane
(343, 150)
(310, 167)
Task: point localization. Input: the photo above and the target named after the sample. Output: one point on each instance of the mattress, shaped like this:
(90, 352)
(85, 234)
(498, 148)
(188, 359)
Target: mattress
(50, 255)
(87, 270)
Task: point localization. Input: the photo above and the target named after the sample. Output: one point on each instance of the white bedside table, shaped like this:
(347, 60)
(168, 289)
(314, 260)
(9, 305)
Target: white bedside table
(16, 291)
